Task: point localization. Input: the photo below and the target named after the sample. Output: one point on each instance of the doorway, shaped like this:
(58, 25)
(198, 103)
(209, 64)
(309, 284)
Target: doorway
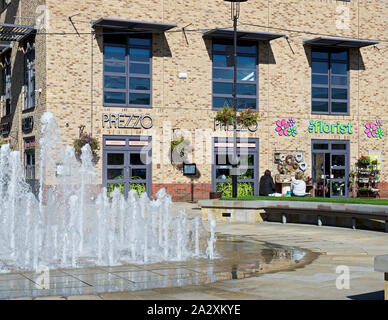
(127, 162)
(330, 168)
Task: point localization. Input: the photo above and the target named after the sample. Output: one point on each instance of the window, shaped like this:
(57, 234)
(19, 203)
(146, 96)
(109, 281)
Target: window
(247, 153)
(29, 77)
(223, 74)
(329, 78)
(29, 158)
(127, 164)
(6, 86)
(127, 71)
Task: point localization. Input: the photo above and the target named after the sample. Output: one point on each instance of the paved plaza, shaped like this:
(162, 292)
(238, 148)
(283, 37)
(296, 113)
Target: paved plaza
(316, 279)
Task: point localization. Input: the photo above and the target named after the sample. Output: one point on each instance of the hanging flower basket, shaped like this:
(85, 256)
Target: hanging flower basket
(244, 117)
(180, 148)
(247, 117)
(226, 115)
(83, 140)
(4, 142)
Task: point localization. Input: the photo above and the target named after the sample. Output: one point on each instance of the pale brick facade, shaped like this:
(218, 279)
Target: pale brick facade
(69, 69)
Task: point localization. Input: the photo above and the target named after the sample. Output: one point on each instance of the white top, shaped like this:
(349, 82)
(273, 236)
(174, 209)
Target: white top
(298, 187)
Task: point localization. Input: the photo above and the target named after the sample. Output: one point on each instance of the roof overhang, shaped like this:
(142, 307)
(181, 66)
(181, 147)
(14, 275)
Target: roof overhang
(242, 35)
(339, 42)
(15, 32)
(132, 25)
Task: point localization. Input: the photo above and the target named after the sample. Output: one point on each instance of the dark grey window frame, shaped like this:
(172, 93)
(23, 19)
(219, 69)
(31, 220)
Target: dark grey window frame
(127, 150)
(229, 97)
(128, 74)
(228, 152)
(6, 85)
(29, 77)
(329, 86)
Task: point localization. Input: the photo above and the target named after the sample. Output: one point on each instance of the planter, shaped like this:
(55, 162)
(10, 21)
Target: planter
(215, 195)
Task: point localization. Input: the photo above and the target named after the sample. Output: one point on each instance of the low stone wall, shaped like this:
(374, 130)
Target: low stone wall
(371, 217)
(381, 265)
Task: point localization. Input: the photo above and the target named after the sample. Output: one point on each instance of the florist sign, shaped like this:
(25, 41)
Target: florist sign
(322, 127)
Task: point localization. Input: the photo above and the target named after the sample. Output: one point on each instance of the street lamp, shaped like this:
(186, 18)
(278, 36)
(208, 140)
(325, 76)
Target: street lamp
(235, 14)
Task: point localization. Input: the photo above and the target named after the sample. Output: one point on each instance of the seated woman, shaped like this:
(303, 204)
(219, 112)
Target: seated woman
(298, 186)
(267, 186)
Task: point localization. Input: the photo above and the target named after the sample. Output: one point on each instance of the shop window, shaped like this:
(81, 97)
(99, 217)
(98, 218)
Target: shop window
(127, 166)
(329, 81)
(223, 74)
(127, 71)
(29, 77)
(247, 162)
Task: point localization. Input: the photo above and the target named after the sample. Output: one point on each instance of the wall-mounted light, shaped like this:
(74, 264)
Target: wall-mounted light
(182, 75)
(39, 90)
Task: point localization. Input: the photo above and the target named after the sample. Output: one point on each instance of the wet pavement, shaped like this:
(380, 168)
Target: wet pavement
(237, 258)
(335, 247)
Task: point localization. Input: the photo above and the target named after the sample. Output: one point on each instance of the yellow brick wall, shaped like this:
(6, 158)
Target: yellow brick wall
(74, 65)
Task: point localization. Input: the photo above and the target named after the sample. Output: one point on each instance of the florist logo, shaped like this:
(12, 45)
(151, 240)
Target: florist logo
(374, 130)
(286, 128)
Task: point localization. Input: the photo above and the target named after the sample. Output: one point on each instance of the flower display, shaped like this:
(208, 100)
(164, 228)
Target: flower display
(3, 142)
(374, 129)
(286, 128)
(83, 140)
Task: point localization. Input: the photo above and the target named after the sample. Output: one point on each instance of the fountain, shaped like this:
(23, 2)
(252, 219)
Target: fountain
(68, 227)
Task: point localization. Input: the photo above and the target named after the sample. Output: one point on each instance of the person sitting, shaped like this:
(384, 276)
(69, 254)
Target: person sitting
(298, 186)
(267, 186)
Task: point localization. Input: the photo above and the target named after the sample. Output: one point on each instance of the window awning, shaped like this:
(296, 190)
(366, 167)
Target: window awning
(132, 25)
(339, 42)
(14, 32)
(242, 35)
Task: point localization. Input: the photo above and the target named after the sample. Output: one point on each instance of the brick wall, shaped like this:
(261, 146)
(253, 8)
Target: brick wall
(184, 191)
(72, 75)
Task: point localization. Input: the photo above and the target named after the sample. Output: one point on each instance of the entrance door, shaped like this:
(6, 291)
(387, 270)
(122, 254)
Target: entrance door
(127, 164)
(330, 164)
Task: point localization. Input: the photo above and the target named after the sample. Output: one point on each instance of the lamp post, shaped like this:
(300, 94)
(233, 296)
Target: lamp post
(235, 14)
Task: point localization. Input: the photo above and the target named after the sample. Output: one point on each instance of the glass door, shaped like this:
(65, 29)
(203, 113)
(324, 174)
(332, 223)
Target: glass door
(127, 164)
(321, 176)
(330, 168)
(338, 176)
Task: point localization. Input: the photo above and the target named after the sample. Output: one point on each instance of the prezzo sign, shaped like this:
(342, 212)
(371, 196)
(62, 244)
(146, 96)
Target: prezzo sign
(127, 120)
(321, 127)
(221, 126)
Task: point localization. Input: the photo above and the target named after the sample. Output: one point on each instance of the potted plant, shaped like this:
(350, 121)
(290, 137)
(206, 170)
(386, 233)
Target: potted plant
(363, 161)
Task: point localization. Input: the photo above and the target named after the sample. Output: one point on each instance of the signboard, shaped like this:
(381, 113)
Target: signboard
(223, 127)
(321, 127)
(375, 155)
(127, 121)
(189, 169)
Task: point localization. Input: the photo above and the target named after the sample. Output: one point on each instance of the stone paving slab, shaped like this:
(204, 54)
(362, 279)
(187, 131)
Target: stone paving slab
(338, 246)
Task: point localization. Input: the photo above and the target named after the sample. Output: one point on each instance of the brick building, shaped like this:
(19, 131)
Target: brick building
(139, 74)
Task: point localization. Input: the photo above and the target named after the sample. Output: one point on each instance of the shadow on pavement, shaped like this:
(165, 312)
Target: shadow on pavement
(377, 295)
